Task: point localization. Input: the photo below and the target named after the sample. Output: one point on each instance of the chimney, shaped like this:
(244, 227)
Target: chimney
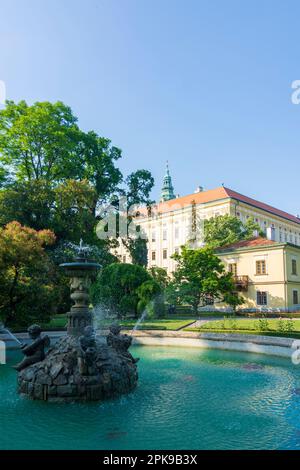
(271, 233)
(199, 189)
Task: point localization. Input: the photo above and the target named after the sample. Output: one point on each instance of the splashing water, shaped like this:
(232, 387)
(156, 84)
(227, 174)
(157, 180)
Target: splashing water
(102, 317)
(140, 320)
(6, 330)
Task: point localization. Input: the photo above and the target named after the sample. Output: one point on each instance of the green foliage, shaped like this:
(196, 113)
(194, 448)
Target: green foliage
(148, 290)
(226, 229)
(227, 323)
(139, 185)
(158, 306)
(285, 326)
(151, 299)
(199, 276)
(233, 299)
(263, 323)
(27, 291)
(116, 287)
(232, 323)
(67, 209)
(281, 325)
(290, 326)
(250, 226)
(160, 275)
(39, 141)
(43, 141)
(138, 250)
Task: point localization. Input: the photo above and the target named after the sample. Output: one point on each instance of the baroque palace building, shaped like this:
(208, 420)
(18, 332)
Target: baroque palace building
(267, 270)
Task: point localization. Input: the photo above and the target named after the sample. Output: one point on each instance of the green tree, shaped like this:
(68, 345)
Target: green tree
(138, 188)
(43, 142)
(30, 203)
(73, 211)
(226, 229)
(26, 290)
(39, 141)
(151, 299)
(160, 275)
(234, 300)
(67, 209)
(250, 226)
(116, 288)
(199, 278)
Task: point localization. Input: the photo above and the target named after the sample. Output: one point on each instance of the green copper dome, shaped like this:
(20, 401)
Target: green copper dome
(167, 191)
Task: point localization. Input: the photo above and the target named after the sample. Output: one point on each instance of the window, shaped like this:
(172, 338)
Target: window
(164, 234)
(124, 258)
(153, 255)
(261, 267)
(295, 297)
(262, 298)
(177, 251)
(176, 234)
(232, 267)
(294, 267)
(165, 254)
(153, 236)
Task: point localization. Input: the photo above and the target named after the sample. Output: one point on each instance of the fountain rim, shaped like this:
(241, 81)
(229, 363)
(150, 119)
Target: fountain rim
(81, 265)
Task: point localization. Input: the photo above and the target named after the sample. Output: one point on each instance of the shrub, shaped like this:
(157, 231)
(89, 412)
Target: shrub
(263, 324)
(232, 323)
(281, 325)
(125, 289)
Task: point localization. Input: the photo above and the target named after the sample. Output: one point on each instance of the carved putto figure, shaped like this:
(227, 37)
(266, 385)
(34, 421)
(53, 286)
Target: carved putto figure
(120, 342)
(34, 352)
(87, 349)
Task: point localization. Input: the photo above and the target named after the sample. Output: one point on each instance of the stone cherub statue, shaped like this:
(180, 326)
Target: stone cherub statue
(34, 352)
(120, 342)
(87, 349)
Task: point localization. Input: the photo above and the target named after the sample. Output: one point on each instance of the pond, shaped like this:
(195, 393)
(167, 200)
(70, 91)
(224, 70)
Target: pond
(186, 399)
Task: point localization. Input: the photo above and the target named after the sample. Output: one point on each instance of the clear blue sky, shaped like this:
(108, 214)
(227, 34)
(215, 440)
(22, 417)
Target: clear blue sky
(204, 84)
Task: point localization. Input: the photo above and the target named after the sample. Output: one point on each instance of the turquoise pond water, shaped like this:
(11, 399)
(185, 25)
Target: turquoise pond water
(186, 399)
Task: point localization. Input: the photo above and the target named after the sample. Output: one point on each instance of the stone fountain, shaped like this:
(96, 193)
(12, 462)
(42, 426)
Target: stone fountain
(80, 366)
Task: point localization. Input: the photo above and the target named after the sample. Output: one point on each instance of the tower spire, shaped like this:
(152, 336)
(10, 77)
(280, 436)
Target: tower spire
(167, 191)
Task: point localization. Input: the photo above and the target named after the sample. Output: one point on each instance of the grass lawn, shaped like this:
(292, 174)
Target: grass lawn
(58, 321)
(252, 326)
(163, 324)
(173, 323)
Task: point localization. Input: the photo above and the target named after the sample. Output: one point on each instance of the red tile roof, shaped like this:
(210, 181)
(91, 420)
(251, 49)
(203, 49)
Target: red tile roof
(261, 205)
(252, 243)
(218, 194)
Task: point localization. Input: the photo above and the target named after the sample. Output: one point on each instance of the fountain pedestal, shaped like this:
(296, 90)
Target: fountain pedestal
(81, 367)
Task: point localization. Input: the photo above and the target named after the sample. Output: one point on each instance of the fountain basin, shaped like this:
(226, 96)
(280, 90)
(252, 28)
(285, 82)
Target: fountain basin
(187, 398)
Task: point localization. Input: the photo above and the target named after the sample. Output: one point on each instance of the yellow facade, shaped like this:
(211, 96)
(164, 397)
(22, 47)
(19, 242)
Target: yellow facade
(276, 289)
